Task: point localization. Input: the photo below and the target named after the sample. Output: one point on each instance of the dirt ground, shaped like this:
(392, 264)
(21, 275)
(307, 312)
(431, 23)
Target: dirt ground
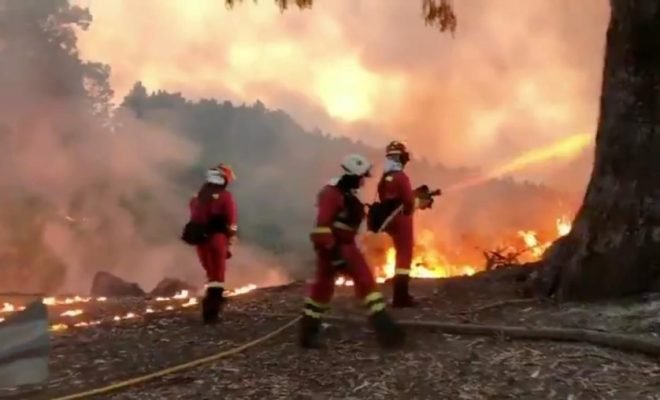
(431, 366)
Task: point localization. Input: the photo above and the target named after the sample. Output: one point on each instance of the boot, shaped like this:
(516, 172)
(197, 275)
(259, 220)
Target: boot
(309, 333)
(401, 298)
(388, 333)
(211, 305)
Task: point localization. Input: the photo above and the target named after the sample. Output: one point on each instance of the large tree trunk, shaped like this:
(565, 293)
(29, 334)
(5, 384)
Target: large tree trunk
(614, 247)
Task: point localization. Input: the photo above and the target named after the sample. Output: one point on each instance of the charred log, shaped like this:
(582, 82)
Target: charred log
(614, 247)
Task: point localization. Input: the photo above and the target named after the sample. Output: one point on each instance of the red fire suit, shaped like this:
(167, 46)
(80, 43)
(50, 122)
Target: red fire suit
(214, 206)
(395, 186)
(338, 220)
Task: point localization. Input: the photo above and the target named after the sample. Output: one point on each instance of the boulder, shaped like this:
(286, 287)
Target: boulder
(107, 285)
(168, 287)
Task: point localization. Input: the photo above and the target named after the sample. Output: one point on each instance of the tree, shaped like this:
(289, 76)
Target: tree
(614, 246)
(438, 13)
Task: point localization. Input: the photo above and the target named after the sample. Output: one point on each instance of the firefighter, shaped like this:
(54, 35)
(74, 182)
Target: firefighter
(395, 189)
(214, 210)
(340, 214)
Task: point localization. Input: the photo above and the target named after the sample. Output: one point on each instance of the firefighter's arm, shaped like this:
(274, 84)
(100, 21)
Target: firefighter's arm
(192, 206)
(232, 216)
(406, 194)
(329, 204)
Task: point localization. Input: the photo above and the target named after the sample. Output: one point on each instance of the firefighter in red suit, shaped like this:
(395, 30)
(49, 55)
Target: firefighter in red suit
(340, 214)
(215, 209)
(395, 186)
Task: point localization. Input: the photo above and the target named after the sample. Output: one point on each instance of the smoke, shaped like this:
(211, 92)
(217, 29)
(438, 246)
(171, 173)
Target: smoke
(82, 190)
(517, 76)
(252, 265)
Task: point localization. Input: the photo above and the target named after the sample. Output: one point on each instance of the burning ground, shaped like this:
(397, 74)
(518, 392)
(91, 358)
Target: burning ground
(433, 365)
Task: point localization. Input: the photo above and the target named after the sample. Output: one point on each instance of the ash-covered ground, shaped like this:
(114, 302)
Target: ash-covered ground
(432, 365)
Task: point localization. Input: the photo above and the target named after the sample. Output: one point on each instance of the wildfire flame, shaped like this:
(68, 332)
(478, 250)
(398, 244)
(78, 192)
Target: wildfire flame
(431, 263)
(73, 313)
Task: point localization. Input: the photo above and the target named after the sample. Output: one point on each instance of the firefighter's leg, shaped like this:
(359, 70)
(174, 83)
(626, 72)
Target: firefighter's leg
(317, 302)
(203, 256)
(388, 333)
(402, 237)
(217, 260)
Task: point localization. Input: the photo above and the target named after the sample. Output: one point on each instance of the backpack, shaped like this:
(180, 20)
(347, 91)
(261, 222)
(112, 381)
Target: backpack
(195, 233)
(379, 212)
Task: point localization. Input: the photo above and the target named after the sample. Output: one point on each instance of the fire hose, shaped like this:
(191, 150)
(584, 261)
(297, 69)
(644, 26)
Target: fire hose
(180, 367)
(421, 192)
(622, 342)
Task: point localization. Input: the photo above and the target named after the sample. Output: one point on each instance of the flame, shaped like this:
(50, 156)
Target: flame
(242, 290)
(53, 301)
(564, 226)
(191, 302)
(71, 313)
(85, 324)
(7, 308)
(59, 327)
(428, 262)
(129, 315)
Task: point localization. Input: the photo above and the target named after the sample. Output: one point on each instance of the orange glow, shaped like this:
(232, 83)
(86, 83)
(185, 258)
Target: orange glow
(190, 301)
(429, 262)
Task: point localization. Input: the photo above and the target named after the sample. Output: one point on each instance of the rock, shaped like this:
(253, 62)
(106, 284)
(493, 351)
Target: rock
(107, 285)
(168, 287)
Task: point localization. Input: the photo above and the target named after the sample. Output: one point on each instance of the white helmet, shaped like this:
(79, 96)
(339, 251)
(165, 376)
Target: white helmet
(220, 175)
(214, 176)
(356, 164)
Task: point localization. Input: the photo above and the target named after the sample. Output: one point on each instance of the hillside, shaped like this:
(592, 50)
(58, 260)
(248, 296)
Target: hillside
(281, 166)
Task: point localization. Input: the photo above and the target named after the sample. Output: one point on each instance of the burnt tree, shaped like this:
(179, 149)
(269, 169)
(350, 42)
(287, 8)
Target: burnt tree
(614, 246)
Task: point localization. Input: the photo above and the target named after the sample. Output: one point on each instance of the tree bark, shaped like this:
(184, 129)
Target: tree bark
(614, 246)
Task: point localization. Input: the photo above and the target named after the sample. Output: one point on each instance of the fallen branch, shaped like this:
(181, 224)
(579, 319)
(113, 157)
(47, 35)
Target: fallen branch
(613, 340)
(623, 342)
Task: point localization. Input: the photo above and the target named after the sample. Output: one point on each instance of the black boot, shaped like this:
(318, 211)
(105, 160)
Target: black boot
(388, 333)
(211, 305)
(401, 297)
(310, 332)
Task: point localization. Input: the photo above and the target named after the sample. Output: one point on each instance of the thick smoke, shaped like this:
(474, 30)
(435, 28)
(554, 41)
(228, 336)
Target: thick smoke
(82, 190)
(84, 186)
(518, 75)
